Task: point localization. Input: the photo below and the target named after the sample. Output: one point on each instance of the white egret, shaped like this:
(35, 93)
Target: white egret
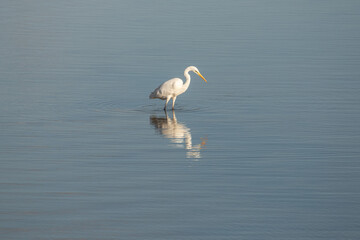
(174, 87)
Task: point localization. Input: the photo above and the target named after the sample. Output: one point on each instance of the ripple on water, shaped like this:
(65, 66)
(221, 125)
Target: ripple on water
(117, 107)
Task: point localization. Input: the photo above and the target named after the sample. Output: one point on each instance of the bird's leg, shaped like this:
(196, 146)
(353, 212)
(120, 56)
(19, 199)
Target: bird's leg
(167, 100)
(173, 102)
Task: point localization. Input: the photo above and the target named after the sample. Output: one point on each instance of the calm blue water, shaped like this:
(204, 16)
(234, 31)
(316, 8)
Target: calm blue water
(269, 148)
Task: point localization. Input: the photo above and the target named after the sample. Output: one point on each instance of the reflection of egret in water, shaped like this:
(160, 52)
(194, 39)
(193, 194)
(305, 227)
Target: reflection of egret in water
(178, 134)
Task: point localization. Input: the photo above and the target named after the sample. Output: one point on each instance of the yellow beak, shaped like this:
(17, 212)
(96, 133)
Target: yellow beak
(201, 76)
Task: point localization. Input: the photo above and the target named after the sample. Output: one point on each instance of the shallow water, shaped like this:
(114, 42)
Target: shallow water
(269, 148)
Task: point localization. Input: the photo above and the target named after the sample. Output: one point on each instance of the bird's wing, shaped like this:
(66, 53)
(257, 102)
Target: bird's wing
(169, 87)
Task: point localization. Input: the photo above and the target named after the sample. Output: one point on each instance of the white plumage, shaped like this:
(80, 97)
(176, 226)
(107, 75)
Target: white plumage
(174, 87)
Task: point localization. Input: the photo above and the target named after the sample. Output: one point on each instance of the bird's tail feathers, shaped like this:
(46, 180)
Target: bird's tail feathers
(152, 95)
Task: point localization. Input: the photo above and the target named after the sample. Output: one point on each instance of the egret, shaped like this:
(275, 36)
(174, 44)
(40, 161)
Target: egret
(174, 87)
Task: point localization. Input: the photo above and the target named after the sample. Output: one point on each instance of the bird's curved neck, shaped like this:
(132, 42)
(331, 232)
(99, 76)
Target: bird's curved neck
(187, 79)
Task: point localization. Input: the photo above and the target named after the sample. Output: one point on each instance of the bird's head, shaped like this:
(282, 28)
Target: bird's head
(195, 70)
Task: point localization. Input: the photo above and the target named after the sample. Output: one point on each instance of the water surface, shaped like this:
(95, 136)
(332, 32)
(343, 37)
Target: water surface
(269, 148)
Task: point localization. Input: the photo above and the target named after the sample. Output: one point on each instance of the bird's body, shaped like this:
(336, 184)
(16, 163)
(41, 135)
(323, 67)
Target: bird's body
(174, 87)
